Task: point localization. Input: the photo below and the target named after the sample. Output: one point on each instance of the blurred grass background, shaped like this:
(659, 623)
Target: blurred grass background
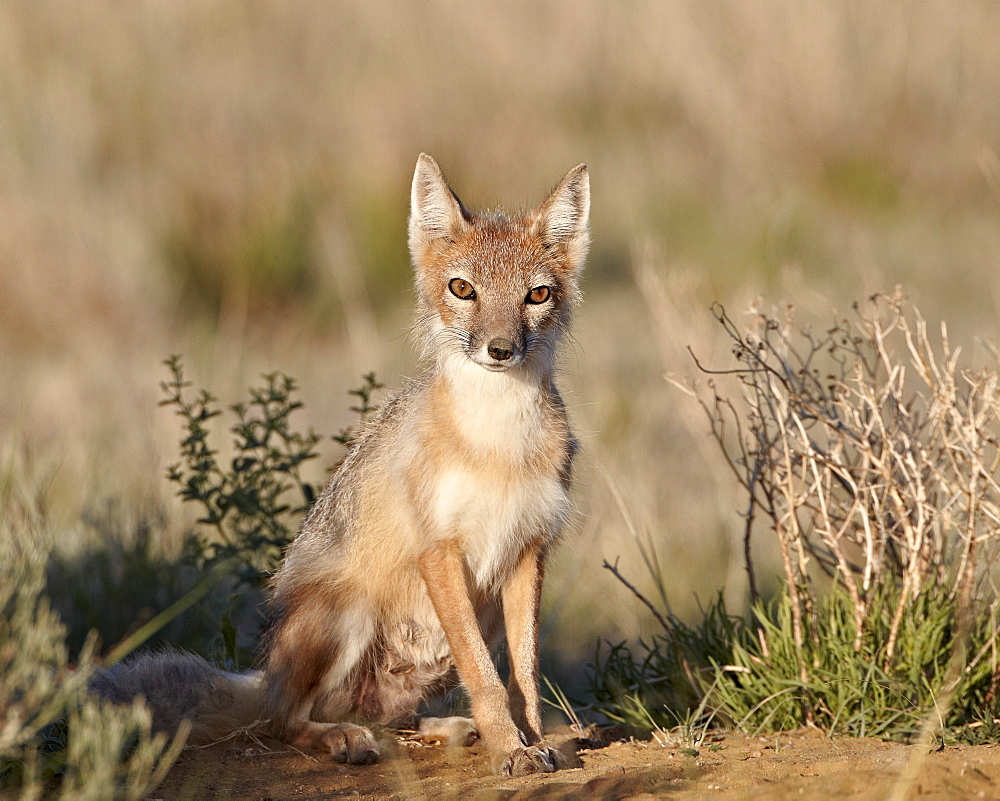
(230, 181)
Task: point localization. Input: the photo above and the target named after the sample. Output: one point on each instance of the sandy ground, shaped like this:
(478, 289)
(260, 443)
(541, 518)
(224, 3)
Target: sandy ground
(803, 764)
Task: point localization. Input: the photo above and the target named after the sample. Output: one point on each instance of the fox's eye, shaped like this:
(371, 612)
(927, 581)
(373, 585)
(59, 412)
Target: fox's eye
(461, 289)
(539, 294)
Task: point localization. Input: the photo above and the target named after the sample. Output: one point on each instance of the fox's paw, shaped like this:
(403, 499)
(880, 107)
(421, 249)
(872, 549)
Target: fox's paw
(447, 731)
(349, 743)
(530, 759)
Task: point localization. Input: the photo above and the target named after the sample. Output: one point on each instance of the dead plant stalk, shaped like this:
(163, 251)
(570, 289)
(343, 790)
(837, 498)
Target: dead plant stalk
(871, 452)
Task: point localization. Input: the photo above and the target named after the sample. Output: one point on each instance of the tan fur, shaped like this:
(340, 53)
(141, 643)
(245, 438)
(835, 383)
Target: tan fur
(430, 540)
(435, 528)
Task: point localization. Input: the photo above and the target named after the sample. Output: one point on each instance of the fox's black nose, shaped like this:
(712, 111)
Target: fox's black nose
(500, 349)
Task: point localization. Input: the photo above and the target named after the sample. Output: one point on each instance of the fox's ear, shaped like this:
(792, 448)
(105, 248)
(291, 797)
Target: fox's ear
(435, 211)
(563, 217)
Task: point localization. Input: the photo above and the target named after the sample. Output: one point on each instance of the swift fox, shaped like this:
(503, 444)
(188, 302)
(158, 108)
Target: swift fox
(430, 540)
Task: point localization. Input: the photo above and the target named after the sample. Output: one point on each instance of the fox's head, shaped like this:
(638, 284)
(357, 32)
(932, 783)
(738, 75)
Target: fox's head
(492, 288)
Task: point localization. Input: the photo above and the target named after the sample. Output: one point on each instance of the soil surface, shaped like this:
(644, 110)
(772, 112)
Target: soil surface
(802, 764)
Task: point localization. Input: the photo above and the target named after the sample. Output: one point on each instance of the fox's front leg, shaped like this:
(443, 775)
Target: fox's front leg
(522, 595)
(444, 572)
(521, 598)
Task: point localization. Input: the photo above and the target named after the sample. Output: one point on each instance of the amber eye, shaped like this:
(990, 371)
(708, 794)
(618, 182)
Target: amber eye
(462, 289)
(539, 294)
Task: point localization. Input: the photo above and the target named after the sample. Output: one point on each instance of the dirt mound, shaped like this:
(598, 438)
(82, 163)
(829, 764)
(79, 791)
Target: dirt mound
(798, 765)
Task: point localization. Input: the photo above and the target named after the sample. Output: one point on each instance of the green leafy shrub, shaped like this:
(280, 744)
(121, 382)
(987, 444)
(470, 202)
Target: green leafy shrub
(248, 517)
(251, 503)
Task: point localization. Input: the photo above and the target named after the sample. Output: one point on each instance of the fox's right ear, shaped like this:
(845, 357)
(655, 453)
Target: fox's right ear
(435, 211)
(563, 218)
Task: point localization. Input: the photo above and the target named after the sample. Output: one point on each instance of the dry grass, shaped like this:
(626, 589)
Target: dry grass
(871, 454)
(230, 182)
(48, 726)
(866, 453)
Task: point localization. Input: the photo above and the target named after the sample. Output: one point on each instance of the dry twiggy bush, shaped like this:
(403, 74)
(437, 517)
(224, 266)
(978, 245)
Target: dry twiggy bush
(870, 451)
(872, 454)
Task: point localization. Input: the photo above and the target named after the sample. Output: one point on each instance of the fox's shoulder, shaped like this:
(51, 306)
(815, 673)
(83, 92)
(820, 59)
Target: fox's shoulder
(377, 437)
(393, 412)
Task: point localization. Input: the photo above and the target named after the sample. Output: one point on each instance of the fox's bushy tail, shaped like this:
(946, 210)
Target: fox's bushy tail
(179, 686)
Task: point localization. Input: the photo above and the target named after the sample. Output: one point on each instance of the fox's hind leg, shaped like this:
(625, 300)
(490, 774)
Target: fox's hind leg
(447, 731)
(313, 648)
(346, 742)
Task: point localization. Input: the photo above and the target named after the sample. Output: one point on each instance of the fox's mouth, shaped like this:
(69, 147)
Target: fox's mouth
(498, 355)
(495, 365)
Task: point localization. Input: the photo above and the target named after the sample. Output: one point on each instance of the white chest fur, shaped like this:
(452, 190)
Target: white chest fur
(497, 503)
(495, 522)
(499, 414)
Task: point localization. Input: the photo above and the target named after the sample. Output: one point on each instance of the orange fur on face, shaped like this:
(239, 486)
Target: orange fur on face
(503, 260)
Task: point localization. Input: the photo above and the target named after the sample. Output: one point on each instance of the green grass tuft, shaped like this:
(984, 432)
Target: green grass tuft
(746, 673)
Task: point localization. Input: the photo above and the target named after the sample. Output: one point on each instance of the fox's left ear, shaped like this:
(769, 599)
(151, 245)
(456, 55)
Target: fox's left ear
(563, 218)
